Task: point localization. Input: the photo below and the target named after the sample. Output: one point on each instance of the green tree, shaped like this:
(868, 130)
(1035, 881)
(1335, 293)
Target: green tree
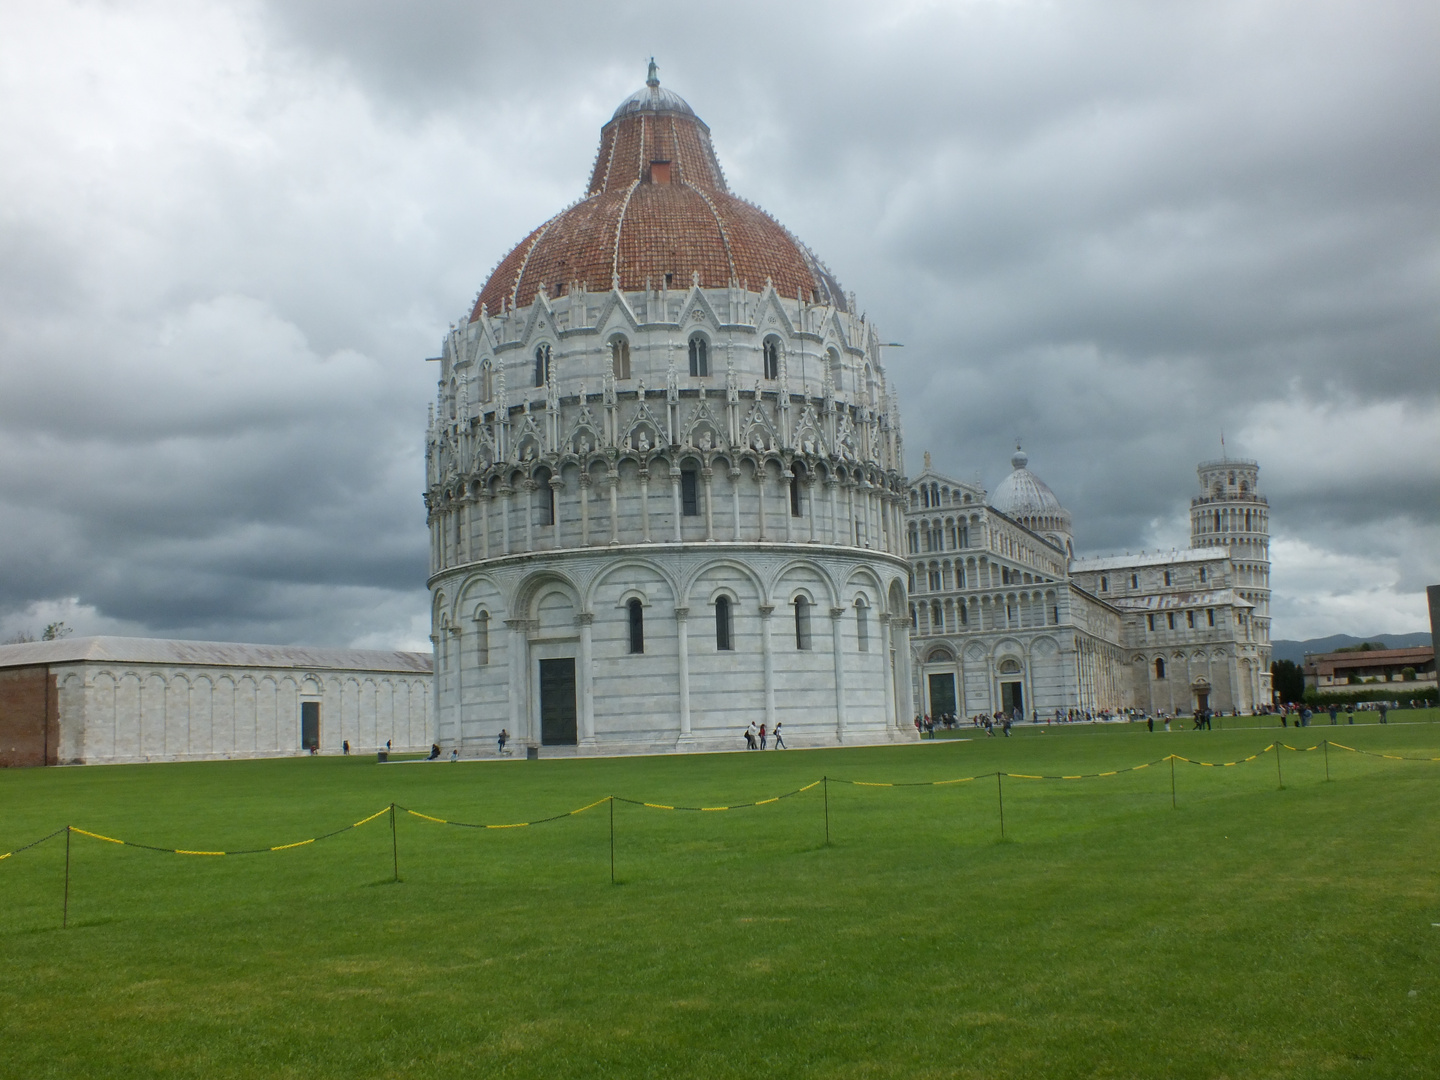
(1288, 679)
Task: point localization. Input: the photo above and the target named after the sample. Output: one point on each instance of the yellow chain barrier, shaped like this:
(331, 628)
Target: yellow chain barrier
(707, 809)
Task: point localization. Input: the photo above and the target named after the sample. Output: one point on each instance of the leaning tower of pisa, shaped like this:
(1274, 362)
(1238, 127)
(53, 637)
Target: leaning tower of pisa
(1231, 513)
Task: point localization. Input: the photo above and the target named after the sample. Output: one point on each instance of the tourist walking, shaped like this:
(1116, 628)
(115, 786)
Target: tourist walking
(1333, 711)
(779, 739)
(1384, 707)
(500, 741)
(1150, 723)
(750, 733)
(763, 736)
(1350, 713)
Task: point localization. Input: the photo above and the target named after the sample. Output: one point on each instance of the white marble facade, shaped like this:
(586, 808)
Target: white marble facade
(139, 699)
(1004, 617)
(550, 515)
(664, 477)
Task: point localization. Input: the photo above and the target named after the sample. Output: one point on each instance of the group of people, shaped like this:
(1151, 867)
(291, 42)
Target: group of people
(927, 725)
(758, 738)
(1302, 713)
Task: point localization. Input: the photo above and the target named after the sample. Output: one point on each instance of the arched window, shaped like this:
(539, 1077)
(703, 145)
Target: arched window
(937, 617)
(802, 623)
(542, 365)
(1167, 577)
(1104, 584)
(724, 638)
(620, 358)
(772, 357)
(964, 613)
(795, 495)
(1159, 668)
(862, 625)
(482, 637)
(837, 370)
(699, 356)
(637, 626)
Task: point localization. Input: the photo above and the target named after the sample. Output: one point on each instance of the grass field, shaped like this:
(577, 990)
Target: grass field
(1255, 931)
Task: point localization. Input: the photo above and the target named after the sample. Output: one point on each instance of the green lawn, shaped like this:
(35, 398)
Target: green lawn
(1255, 931)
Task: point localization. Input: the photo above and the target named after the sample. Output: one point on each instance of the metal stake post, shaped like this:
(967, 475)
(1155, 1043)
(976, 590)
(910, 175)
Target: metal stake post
(1278, 777)
(1173, 804)
(825, 786)
(1326, 745)
(65, 910)
(612, 839)
(394, 844)
(1000, 795)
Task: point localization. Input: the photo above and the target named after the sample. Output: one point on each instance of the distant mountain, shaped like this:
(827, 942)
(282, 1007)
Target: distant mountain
(1296, 650)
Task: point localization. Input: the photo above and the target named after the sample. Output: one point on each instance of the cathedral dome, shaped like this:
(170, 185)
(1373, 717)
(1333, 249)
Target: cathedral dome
(1024, 497)
(657, 210)
(1022, 492)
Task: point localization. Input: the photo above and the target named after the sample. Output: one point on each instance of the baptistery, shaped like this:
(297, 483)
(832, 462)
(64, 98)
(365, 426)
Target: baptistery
(664, 479)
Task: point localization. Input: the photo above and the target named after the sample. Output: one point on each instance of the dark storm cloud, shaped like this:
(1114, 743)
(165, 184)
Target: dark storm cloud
(231, 233)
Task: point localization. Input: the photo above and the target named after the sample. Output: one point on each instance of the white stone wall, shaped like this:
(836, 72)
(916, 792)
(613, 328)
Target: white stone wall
(551, 506)
(842, 688)
(127, 713)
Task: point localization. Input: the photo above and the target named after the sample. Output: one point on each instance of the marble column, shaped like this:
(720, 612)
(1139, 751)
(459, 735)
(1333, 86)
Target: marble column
(614, 481)
(837, 637)
(735, 503)
(887, 661)
(907, 684)
(768, 655)
(556, 486)
(683, 646)
(584, 509)
(586, 681)
(675, 499)
(518, 648)
(645, 504)
(760, 497)
(707, 475)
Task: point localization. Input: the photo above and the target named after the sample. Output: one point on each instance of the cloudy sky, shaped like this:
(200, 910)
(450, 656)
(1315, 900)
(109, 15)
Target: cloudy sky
(230, 233)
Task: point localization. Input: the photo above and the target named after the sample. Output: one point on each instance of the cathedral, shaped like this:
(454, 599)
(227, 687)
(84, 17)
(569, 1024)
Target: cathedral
(1004, 618)
(664, 477)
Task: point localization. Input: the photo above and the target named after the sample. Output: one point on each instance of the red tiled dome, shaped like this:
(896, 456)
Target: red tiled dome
(657, 204)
